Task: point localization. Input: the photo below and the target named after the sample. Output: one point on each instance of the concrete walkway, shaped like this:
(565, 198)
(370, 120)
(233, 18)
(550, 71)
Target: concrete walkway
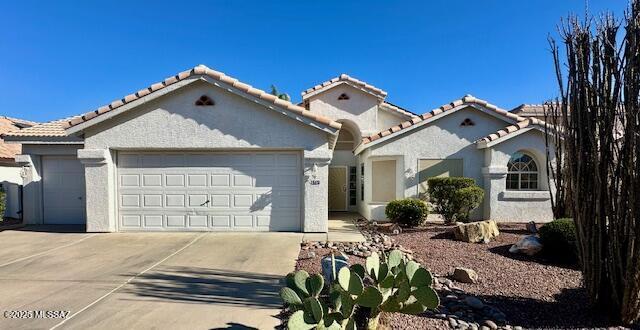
(144, 280)
(341, 229)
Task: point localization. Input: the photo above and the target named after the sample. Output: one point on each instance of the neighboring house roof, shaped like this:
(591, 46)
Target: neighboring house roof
(394, 108)
(529, 110)
(8, 124)
(58, 128)
(344, 79)
(49, 129)
(435, 114)
(21, 123)
(511, 131)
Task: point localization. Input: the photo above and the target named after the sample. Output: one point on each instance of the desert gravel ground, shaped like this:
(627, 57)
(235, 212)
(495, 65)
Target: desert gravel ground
(532, 291)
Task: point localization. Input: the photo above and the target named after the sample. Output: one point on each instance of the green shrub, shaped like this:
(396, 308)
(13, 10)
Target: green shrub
(451, 204)
(465, 200)
(3, 203)
(409, 212)
(558, 238)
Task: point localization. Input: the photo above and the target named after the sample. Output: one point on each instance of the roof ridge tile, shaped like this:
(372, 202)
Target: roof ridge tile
(346, 78)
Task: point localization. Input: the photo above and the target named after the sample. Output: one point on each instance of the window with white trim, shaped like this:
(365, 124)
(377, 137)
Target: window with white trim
(522, 172)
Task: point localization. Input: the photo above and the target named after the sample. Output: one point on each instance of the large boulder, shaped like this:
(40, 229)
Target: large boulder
(476, 232)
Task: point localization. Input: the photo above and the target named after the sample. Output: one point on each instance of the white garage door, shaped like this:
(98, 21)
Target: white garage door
(63, 190)
(257, 191)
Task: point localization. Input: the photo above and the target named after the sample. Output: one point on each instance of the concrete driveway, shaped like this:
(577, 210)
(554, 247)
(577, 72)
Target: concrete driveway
(143, 281)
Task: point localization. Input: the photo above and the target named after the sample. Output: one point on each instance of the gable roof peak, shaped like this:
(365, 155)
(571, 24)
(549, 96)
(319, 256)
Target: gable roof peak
(441, 111)
(345, 78)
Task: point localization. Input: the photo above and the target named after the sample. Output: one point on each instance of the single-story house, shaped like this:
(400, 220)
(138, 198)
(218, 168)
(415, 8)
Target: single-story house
(203, 151)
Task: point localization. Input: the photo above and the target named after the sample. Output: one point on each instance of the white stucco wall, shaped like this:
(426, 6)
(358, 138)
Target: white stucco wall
(173, 122)
(11, 179)
(516, 206)
(441, 139)
(10, 174)
(361, 108)
(386, 120)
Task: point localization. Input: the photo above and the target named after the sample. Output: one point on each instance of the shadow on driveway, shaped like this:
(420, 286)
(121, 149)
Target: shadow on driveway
(55, 228)
(209, 286)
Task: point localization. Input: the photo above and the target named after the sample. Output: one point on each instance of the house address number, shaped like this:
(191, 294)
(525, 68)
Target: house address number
(315, 182)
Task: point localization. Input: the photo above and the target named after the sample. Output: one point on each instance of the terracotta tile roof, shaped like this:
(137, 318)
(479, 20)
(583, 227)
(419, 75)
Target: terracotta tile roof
(49, 129)
(19, 122)
(57, 128)
(438, 112)
(350, 80)
(8, 124)
(529, 110)
(395, 108)
(527, 122)
(201, 70)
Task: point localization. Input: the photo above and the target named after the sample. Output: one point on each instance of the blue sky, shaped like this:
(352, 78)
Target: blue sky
(61, 58)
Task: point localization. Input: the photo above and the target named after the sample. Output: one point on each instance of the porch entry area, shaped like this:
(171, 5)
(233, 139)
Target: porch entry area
(342, 228)
(338, 180)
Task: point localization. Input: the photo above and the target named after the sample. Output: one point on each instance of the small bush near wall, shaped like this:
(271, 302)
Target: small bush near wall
(454, 197)
(465, 200)
(3, 203)
(558, 238)
(408, 212)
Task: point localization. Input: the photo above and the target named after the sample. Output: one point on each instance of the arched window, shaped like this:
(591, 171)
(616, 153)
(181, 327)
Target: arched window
(522, 172)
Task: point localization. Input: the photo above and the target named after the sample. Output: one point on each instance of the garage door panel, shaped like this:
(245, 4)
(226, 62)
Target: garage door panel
(243, 221)
(176, 221)
(153, 221)
(130, 180)
(131, 220)
(174, 180)
(221, 221)
(218, 200)
(152, 200)
(210, 191)
(127, 200)
(199, 221)
(174, 200)
(242, 180)
(197, 180)
(220, 180)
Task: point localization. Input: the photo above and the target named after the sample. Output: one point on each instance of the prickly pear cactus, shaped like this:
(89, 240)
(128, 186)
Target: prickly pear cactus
(388, 284)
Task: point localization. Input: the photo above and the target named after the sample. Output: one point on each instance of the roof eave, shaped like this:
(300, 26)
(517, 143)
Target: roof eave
(483, 144)
(186, 81)
(443, 114)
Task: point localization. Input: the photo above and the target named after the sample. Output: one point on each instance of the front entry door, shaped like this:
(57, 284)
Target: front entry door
(337, 188)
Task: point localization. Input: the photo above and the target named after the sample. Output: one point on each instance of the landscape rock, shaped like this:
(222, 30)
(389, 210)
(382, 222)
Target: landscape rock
(531, 227)
(465, 275)
(474, 302)
(395, 229)
(490, 324)
(476, 232)
(529, 245)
